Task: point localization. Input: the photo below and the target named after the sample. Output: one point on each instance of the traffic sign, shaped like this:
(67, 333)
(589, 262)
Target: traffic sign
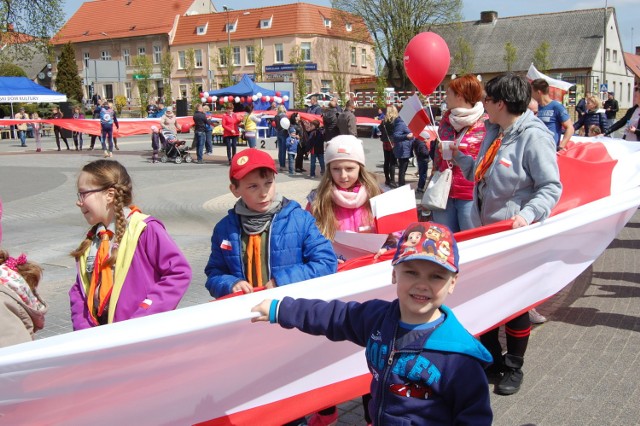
(604, 88)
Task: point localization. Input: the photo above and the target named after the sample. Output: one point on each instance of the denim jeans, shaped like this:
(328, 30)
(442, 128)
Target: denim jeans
(231, 142)
(320, 158)
(282, 149)
(292, 160)
(457, 215)
(107, 131)
(200, 138)
(208, 144)
(22, 135)
(423, 165)
(251, 141)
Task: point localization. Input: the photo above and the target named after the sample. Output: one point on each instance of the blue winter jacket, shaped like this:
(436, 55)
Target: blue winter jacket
(437, 381)
(402, 146)
(297, 250)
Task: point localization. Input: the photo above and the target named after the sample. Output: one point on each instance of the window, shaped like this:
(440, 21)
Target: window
(615, 55)
(183, 91)
(231, 27)
(126, 55)
(307, 84)
(251, 58)
(363, 58)
(202, 29)
(105, 55)
(236, 55)
(108, 91)
(354, 59)
(142, 51)
(279, 53)
(157, 54)
(86, 57)
(127, 90)
(348, 27)
(608, 54)
(629, 92)
(182, 60)
(327, 22)
(305, 49)
(222, 57)
(265, 23)
(326, 85)
(197, 54)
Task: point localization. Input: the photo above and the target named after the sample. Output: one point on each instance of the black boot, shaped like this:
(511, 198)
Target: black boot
(513, 375)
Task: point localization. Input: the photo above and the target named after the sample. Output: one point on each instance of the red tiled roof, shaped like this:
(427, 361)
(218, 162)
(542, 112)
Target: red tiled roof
(120, 19)
(633, 63)
(11, 37)
(288, 19)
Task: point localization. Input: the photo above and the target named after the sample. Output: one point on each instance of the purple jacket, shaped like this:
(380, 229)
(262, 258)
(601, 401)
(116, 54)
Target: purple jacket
(156, 280)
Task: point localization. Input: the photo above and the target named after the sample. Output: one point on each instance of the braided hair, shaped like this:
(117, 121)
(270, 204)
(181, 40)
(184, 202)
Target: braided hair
(109, 174)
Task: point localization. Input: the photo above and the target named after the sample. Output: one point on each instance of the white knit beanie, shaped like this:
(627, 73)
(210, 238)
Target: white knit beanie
(344, 147)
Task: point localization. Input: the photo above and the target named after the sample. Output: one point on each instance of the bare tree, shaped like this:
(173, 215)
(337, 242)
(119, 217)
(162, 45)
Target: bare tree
(39, 19)
(296, 58)
(338, 72)
(259, 63)
(189, 70)
(393, 23)
(142, 69)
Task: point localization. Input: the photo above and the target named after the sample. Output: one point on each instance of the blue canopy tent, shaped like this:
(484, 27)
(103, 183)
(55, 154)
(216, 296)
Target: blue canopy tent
(23, 90)
(246, 87)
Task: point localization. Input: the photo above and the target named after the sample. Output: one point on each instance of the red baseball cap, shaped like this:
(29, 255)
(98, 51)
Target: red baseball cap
(246, 161)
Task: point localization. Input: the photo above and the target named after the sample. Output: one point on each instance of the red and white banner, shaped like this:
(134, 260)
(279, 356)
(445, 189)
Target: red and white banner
(208, 364)
(557, 88)
(414, 115)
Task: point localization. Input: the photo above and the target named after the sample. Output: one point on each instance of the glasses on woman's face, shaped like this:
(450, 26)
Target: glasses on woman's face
(83, 194)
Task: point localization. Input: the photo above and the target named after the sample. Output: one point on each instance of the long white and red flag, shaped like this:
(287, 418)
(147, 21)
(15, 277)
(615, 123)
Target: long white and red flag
(208, 364)
(557, 88)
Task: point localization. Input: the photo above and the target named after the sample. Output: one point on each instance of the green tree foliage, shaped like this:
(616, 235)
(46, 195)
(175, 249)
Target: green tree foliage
(337, 66)
(510, 55)
(68, 80)
(259, 63)
(463, 62)
(224, 63)
(381, 83)
(39, 19)
(166, 68)
(11, 70)
(541, 58)
(296, 58)
(393, 23)
(189, 70)
(142, 68)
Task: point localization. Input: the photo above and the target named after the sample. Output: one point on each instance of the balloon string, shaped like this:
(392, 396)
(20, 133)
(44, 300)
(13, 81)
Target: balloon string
(433, 120)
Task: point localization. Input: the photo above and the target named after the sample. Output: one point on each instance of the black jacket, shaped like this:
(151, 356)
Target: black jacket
(330, 121)
(623, 122)
(200, 121)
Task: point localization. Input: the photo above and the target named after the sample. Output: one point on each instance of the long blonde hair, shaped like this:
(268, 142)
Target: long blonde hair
(392, 113)
(322, 206)
(109, 174)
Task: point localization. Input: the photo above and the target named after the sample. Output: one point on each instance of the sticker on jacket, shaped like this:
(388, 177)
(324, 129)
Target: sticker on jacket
(505, 162)
(225, 245)
(146, 303)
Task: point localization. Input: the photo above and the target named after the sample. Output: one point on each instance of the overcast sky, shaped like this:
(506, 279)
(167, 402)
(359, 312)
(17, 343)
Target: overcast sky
(626, 10)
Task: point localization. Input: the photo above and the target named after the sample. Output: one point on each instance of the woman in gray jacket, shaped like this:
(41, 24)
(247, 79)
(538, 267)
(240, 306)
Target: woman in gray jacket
(516, 177)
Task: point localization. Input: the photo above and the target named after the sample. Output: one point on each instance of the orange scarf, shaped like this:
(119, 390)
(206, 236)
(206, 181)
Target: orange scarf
(102, 275)
(487, 160)
(254, 261)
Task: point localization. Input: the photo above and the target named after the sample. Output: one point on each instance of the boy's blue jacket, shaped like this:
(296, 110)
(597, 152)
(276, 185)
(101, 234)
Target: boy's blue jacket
(297, 250)
(437, 381)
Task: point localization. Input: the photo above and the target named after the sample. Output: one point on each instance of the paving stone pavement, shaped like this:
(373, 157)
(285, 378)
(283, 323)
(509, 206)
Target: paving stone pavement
(582, 366)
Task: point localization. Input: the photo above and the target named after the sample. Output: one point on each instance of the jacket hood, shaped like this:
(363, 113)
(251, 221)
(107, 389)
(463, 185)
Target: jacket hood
(526, 121)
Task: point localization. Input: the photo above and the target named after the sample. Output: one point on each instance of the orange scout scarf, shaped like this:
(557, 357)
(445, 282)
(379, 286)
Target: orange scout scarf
(102, 275)
(487, 159)
(254, 260)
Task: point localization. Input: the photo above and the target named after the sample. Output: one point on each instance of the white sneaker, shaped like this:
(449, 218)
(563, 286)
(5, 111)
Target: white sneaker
(536, 317)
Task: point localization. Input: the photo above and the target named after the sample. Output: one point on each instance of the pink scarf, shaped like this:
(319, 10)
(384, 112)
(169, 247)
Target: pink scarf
(349, 199)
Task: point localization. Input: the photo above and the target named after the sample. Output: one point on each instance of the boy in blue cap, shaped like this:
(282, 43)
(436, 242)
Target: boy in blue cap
(427, 369)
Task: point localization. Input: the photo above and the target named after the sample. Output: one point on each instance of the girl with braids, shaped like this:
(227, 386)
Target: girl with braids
(22, 310)
(128, 265)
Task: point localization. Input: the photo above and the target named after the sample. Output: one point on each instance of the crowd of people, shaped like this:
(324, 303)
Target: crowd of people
(504, 167)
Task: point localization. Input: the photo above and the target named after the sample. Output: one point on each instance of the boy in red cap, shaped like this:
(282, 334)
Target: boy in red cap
(426, 368)
(266, 240)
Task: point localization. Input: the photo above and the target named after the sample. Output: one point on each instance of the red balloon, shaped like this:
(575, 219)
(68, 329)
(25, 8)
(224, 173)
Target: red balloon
(263, 99)
(278, 94)
(201, 94)
(210, 99)
(242, 99)
(220, 101)
(426, 61)
(249, 100)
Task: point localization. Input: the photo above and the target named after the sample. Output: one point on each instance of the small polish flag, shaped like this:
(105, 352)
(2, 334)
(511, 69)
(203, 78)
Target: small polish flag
(414, 115)
(505, 162)
(146, 303)
(225, 245)
(394, 210)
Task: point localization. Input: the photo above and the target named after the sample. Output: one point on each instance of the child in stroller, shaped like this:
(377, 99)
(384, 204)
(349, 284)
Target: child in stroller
(174, 149)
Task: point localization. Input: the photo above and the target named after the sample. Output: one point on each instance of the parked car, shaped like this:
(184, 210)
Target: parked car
(323, 99)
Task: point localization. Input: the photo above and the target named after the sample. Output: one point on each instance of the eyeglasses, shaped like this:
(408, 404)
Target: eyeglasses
(83, 194)
(488, 99)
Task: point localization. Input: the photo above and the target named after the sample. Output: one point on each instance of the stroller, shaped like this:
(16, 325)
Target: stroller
(174, 149)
